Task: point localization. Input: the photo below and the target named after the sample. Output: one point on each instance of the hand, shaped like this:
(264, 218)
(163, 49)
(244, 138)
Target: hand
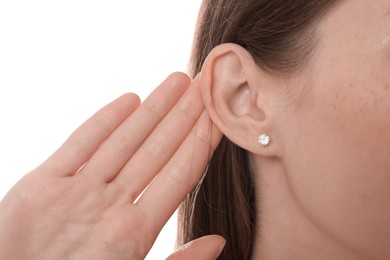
(85, 201)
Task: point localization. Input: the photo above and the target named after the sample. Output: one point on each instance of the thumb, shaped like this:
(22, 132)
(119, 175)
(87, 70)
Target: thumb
(207, 248)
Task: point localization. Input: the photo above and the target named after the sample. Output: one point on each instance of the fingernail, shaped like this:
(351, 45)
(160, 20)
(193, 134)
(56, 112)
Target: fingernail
(220, 249)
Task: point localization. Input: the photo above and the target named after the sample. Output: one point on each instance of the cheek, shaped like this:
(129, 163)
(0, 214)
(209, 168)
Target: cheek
(340, 161)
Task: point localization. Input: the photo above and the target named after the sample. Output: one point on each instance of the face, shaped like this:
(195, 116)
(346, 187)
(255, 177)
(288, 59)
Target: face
(337, 147)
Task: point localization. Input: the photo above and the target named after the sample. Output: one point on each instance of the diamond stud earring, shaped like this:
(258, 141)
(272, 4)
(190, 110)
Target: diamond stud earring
(264, 140)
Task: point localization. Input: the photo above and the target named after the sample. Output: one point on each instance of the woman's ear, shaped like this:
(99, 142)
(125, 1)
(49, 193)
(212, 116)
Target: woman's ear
(238, 97)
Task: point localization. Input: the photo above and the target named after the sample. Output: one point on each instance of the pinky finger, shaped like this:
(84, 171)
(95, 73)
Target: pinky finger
(82, 144)
(180, 174)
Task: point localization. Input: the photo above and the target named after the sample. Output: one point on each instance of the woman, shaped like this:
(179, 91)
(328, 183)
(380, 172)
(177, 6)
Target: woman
(299, 89)
(313, 75)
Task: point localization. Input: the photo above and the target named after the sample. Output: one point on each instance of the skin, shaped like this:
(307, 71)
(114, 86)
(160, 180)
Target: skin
(345, 165)
(81, 203)
(323, 182)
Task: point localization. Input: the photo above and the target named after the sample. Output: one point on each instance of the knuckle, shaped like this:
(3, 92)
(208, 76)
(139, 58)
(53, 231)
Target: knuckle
(203, 134)
(179, 174)
(188, 109)
(102, 122)
(153, 109)
(157, 144)
(120, 142)
(77, 143)
(151, 152)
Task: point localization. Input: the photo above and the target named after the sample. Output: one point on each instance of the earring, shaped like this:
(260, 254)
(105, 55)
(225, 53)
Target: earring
(264, 140)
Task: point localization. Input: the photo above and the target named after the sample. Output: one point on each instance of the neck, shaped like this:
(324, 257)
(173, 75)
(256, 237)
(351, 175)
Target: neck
(284, 231)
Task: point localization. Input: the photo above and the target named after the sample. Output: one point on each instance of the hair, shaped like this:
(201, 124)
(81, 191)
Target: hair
(281, 36)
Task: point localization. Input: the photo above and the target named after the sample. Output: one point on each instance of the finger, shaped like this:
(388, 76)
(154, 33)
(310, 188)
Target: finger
(207, 248)
(114, 153)
(181, 174)
(80, 146)
(160, 146)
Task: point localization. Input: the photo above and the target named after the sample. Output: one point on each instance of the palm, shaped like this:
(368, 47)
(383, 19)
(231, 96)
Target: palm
(81, 203)
(81, 217)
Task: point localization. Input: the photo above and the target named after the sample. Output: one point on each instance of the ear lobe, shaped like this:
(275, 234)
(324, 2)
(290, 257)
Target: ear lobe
(232, 90)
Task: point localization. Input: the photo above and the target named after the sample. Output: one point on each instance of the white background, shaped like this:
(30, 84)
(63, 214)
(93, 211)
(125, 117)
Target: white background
(60, 61)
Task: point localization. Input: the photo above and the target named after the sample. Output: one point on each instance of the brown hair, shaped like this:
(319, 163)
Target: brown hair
(280, 35)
